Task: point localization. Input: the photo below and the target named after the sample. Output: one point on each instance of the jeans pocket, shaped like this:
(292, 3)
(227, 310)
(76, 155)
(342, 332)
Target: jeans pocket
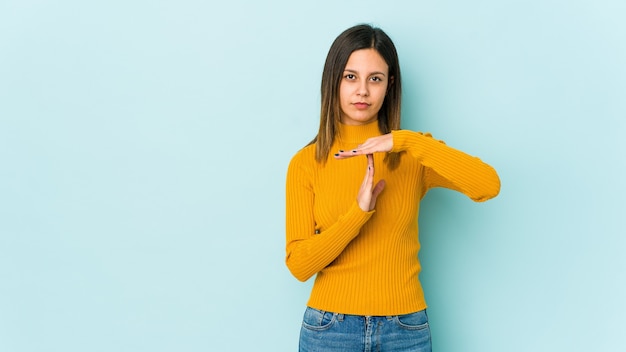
(412, 321)
(318, 320)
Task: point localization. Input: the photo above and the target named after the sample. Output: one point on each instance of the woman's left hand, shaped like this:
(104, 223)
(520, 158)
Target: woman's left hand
(380, 144)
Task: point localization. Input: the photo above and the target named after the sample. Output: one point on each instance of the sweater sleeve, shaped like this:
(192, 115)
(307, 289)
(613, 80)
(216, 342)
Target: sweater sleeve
(309, 252)
(448, 167)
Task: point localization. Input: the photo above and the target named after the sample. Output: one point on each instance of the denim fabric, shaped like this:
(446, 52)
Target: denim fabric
(333, 332)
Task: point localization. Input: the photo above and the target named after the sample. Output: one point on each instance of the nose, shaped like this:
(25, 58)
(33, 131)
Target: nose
(363, 89)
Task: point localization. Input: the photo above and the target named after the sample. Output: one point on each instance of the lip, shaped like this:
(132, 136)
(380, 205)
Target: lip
(361, 105)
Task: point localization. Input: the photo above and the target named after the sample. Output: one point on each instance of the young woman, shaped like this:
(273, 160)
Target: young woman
(353, 199)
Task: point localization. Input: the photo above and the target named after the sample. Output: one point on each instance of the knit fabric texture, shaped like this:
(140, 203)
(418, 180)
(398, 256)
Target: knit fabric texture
(367, 261)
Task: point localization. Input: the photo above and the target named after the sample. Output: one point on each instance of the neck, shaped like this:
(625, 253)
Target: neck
(358, 133)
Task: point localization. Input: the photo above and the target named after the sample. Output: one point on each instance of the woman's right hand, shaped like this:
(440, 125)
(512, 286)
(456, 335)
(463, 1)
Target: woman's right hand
(368, 193)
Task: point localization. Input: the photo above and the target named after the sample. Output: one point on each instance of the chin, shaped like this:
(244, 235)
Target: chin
(368, 120)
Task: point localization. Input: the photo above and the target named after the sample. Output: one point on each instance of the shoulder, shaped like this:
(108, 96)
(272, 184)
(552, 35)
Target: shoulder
(304, 158)
(306, 154)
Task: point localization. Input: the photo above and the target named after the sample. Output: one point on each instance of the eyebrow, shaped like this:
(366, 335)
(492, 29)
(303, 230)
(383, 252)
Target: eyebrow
(372, 73)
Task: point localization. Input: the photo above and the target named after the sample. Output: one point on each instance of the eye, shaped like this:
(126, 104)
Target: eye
(350, 76)
(376, 79)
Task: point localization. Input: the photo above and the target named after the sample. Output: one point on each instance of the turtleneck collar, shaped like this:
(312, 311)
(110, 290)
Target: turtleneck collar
(358, 133)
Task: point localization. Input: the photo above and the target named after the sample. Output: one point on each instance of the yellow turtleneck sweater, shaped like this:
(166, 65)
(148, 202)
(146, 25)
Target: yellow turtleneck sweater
(366, 262)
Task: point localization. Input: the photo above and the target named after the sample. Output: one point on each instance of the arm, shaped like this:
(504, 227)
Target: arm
(444, 166)
(308, 252)
(448, 167)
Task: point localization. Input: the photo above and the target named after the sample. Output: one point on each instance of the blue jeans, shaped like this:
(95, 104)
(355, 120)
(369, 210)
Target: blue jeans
(333, 332)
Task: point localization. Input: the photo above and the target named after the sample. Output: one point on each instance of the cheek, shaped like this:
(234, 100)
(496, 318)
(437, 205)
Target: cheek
(381, 96)
(344, 92)
(344, 97)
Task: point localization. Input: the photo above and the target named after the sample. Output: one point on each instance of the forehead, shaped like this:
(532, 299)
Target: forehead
(366, 60)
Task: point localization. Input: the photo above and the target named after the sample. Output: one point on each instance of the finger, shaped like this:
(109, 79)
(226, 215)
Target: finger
(378, 144)
(370, 168)
(363, 149)
(365, 192)
(370, 172)
(368, 180)
(378, 188)
(377, 191)
(344, 154)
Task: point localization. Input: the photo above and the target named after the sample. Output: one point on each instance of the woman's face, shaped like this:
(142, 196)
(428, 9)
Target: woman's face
(363, 87)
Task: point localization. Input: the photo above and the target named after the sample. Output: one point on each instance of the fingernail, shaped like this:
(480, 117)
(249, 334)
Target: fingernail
(337, 154)
(340, 151)
(354, 151)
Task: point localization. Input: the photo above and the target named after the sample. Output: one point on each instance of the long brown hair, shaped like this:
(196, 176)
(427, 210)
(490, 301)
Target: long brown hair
(359, 37)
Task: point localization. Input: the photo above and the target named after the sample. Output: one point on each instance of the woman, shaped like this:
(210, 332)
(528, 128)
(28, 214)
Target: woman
(353, 199)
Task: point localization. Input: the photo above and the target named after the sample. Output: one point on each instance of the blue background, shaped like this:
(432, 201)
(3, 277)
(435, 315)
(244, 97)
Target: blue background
(144, 146)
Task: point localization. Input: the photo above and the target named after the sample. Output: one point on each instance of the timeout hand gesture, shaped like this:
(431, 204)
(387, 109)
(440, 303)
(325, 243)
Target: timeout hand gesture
(380, 144)
(368, 193)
